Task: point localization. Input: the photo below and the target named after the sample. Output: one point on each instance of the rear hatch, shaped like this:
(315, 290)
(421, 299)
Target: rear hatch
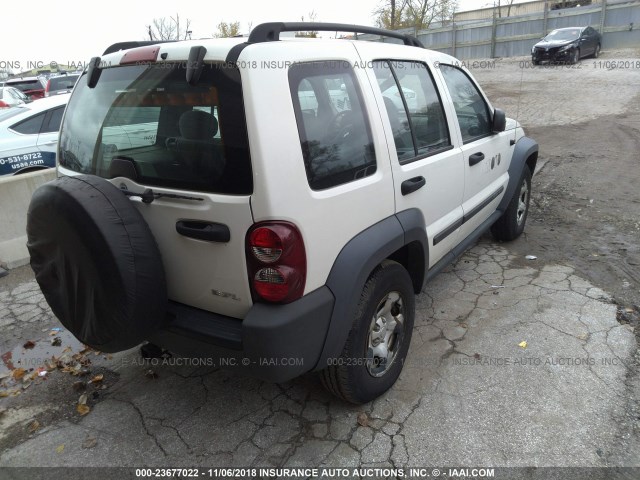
(144, 127)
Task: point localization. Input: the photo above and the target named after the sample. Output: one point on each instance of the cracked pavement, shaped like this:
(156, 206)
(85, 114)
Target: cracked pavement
(469, 394)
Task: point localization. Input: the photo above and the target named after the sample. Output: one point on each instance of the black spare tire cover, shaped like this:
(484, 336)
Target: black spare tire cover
(96, 262)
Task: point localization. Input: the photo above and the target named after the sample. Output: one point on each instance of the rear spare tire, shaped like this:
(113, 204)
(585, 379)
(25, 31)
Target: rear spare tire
(96, 262)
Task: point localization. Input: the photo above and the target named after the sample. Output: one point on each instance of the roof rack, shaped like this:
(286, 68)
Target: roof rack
(133, 44)
(270, 32)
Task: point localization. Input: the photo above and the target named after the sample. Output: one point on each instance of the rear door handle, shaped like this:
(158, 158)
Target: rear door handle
(475, 158)
(411, 185)
(207, 231)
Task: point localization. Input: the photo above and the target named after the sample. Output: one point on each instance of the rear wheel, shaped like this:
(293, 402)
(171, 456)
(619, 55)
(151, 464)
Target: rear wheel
(378, 342)
(511, 224)
(596, 53)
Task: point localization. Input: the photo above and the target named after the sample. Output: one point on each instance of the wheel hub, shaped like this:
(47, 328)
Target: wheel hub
(385, 334)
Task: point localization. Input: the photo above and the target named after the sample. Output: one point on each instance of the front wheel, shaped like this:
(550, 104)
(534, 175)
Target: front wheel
(378, 342)
(575, 58)
(511, 224)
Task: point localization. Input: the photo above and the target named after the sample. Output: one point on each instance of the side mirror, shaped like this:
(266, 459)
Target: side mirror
(499, 121)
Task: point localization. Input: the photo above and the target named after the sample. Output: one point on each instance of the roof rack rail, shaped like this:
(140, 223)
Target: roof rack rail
(270, 32)
(133, 44)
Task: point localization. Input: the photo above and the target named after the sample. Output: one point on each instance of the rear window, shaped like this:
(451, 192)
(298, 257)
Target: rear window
(27, 85)
(62, 83)
(147, 123)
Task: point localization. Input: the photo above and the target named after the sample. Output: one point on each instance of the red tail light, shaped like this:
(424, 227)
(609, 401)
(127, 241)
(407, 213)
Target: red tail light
(46, 90)
(4, 104)
(276, 261)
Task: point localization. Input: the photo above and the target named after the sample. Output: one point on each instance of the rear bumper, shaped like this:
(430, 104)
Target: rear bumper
(273, 342)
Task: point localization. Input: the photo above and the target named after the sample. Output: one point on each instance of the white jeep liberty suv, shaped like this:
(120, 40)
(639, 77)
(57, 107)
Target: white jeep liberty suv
(275, 204)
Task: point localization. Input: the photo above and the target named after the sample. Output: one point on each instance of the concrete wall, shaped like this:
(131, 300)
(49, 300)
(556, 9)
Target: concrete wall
(15, 195)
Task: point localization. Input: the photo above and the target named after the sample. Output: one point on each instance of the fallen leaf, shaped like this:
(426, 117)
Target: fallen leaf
(29, 345)
(4, 394)
(98, 378)
(523, 344)
(56, 342)
(363, 419)
(89, 442)
(83, 399)
(66, 350)
(18, 373)
(60, 448)
(151, 374)
(83, 409)
(33, 426)
(476, 356)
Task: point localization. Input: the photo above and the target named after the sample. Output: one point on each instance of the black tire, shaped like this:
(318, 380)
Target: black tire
(511, 224)
(535, 62)
(352, 376)
(596, 53)
(96, 262)
(575, 57)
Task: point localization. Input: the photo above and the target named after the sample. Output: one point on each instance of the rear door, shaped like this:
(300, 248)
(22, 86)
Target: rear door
(19, 147)
(144, 127)
(427, 167)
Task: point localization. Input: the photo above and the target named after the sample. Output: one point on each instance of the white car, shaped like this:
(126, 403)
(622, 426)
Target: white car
(10, 97)
(277, 220)
(29, 135)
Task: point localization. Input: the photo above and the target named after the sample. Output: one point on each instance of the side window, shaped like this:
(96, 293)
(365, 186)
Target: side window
(53, 124)
(472, 111)
(414, 107)
(335, 134)
(31, 126)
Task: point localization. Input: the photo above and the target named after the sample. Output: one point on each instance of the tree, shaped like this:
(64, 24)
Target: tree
(164, 29)
(416, 14)
(309, 34)
(5, 73)
(227, 30)
(390, 15)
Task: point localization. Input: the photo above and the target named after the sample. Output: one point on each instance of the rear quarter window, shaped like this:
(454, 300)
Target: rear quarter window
(334, 130)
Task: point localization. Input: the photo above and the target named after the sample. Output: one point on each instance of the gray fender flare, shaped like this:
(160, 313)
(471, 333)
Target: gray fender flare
(523, 150)
(355, 262)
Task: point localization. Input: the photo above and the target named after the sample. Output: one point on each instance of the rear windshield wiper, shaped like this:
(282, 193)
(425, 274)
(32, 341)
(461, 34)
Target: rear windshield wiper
(149, 196)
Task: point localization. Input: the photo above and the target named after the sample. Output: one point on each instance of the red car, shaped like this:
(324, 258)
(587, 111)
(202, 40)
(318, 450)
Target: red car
(33, 87)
